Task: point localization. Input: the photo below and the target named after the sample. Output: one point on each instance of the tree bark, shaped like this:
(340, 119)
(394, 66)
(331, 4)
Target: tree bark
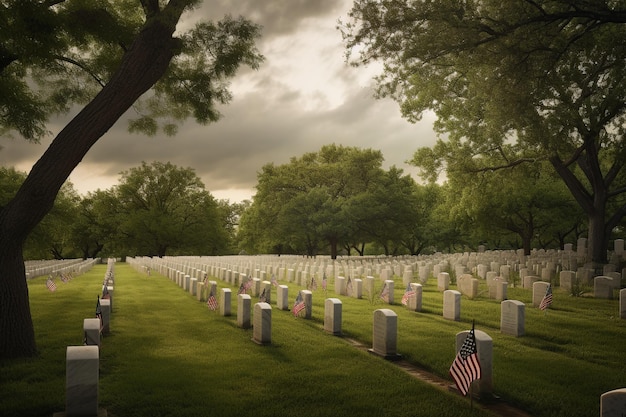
(143, 64)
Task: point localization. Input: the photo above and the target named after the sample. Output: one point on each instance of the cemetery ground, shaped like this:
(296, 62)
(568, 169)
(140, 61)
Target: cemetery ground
(168, 355)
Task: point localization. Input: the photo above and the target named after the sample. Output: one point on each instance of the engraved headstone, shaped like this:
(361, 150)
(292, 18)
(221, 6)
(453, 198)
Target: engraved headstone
(332, 316)
(512, 315)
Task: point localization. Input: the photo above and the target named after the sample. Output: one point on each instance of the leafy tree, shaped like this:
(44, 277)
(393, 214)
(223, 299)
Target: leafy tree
(106, 55)
(302, 204)
(514, 81)
(165, 210)
(96, 225)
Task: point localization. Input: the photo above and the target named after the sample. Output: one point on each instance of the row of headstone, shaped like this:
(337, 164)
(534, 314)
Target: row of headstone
(82, 363)
(58, 267)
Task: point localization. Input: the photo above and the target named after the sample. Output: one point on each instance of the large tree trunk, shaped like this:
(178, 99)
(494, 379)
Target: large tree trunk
(144, 63)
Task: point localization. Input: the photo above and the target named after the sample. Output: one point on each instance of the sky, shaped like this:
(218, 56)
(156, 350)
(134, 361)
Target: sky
(303, 96)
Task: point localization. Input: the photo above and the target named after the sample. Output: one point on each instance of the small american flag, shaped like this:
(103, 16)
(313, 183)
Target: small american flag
(105, 292)
(408, 293)
(212, 301)
(546, 301)
(313, 285)
(99, 313)
(384, 294)
(242, 289)
(51, 285)
(298, 305)
(465, 369)
(263, 297)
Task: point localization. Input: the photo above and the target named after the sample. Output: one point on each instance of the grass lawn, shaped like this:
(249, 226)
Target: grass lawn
(168, 355)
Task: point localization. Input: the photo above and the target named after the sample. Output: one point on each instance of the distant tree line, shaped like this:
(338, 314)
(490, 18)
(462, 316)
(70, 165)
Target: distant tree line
(336, 201)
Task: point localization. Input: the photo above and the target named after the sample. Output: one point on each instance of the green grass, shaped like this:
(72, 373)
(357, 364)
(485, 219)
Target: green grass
(168, 355)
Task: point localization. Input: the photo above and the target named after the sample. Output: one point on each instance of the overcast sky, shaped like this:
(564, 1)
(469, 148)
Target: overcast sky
(304, 96)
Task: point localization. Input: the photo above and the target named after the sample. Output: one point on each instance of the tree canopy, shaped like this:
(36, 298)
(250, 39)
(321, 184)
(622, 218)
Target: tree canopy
(516, 82)
(104, 55)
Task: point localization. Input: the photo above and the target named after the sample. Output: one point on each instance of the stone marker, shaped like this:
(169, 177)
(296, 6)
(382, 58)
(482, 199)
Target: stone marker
(82, 371)
(244, 303)
(622, 303)
(443, 281)
(385, 334)
(357, 288)
(512, 313)
(262, 332)
(529, 280)
(389, 290)
(193, 286)
(539, 291)
(308, 303)
(452, 305)
(91, 331)
(613, 403)
(340, 285)
(225, 302)
(603, 287)
(369, 286)
(483, 387)
(200, 292)
(187, 283)
(282, 297)
(105, 308)
(266, 287)
(567, 279)
(332, 316)
(415, 302)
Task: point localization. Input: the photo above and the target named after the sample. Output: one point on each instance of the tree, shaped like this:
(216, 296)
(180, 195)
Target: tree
(302, 204)
(164, 209)
(95, 228)
(105, 55)
(547, 77)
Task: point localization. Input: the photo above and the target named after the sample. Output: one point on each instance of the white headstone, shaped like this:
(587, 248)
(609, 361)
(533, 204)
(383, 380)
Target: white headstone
(82, 371)
(262, 329)
(282, 297)
(613, 403)
(225, 302)
(512, 315)
(385, 333)
(452, 305)
(244, 303)
(483, 387)
(91, 330)
(332, 316)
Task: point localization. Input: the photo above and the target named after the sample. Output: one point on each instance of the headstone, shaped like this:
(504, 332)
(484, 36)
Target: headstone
(369, 286)
(385, 334)
(200, 291)
(244, 302)
(262, 331)
(105, 308)
(483, 387)
(225, 302)
(332, 316)
(340, 285)
(282, 297)
(91, 331)
(468, 285)
(256, 287)
(512, 314)
(603, 287)
(501, 288)
(567, 279)
(613, 403)
(443, 281)
(266, 287)
(622, 303)
(452, 305)
(539, 291)
(82, 371)
(529, 280)
(357, 288)
(415, 302)
(388, 291)
(308, 303)
(193, 286)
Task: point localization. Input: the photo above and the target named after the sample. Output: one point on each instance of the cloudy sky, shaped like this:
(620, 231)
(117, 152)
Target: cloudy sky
(304, 96)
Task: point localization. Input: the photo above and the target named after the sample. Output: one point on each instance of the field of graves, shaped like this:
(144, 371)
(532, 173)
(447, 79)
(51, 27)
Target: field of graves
(168, 354)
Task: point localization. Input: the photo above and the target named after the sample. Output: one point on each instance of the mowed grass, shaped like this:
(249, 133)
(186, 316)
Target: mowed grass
(168, 355)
